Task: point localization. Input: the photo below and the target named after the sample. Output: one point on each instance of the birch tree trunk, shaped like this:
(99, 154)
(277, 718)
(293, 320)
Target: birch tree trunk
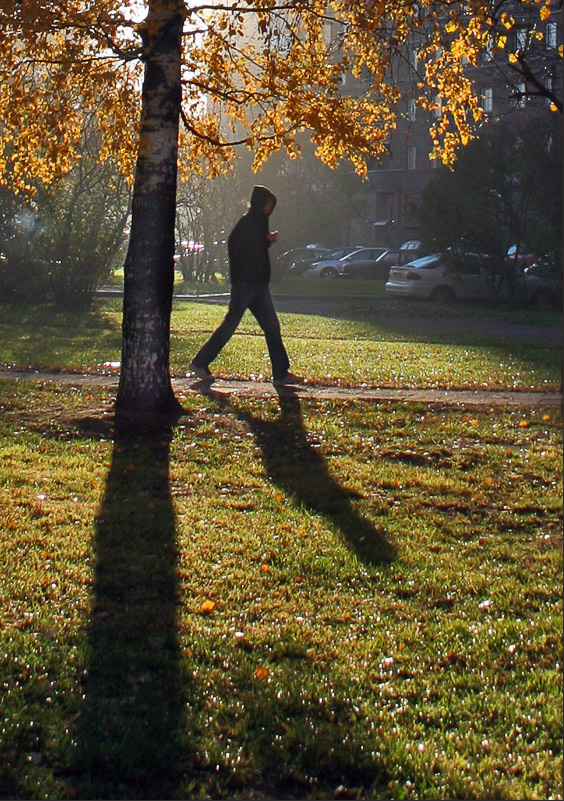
(145, 386)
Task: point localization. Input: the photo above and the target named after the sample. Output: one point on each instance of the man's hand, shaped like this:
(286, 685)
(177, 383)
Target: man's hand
(272, 237)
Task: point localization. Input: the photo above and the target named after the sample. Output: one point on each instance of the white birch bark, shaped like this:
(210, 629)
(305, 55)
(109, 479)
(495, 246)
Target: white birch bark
(145, 386)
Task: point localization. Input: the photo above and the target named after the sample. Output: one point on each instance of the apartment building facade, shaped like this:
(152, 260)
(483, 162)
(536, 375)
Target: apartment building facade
(388, 199)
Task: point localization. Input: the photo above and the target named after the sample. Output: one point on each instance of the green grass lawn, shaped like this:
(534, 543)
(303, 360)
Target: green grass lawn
(323, 349)
(279, 599)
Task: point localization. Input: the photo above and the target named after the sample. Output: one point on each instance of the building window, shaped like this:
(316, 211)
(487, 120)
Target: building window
(487, 100)
(411, 114)
(327, 34)
(550, 35)
(550, 87)
(435, 163)
(521, 38)
(520, 91)
(488, 52)
(411, 158)
(414, 59)
(438, 110)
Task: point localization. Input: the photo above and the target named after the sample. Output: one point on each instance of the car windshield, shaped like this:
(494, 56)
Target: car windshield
(337, 253)
(425, 263)
(365, 255)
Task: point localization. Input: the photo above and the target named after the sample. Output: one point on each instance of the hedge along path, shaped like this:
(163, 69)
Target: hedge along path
(264, 389)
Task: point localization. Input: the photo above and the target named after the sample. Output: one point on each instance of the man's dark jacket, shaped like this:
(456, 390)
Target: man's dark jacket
(247, 245)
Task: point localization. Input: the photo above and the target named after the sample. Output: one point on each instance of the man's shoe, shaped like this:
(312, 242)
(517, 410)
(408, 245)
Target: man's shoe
(203, 373)
(290, 379)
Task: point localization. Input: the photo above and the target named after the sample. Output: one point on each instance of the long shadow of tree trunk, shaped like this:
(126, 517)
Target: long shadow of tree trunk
(129, 730)
(301, 471)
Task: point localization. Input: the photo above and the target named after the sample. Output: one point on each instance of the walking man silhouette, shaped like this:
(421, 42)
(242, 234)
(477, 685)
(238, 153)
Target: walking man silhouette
(249, 272)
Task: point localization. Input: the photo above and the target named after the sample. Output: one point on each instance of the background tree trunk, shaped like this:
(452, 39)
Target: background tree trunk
(144, 385)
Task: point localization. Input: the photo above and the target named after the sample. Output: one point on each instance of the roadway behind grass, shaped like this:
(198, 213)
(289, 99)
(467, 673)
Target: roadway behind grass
(279, 599)
(326, 350)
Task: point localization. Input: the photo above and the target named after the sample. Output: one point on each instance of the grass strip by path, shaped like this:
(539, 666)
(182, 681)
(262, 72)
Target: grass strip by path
(325, 350)
(279, 599)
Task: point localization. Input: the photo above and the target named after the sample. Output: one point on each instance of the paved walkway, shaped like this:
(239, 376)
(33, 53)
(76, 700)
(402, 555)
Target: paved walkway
(264, 389)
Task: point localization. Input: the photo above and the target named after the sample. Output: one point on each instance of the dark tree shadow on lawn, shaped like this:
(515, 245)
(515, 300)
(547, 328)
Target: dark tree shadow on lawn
(129, 729)
(134, 736)
(301, 471)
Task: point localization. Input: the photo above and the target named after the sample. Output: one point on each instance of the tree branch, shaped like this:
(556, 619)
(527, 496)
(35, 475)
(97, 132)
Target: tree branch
(523, 69)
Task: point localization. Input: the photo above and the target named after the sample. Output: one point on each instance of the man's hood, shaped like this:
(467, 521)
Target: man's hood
(259, 196)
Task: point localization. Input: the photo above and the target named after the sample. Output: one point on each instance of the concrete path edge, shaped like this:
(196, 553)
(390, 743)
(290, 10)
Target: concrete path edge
(264, 389)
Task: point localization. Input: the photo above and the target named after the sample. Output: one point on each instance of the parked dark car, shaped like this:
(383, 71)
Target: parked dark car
(295, 261)
(409, 251)
(372, 264)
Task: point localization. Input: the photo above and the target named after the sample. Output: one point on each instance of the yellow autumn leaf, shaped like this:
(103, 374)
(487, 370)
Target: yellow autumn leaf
(561, 51)
(513, 58)
(507, 20)
(523, 424)
(545, 12)
(553, 107)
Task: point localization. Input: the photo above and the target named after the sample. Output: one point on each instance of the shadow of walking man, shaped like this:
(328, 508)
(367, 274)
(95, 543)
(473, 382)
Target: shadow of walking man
(294, 464)
(129, 729)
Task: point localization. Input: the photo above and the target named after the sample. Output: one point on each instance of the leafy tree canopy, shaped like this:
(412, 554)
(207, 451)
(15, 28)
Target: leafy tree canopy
(505, 190)
(255, 73)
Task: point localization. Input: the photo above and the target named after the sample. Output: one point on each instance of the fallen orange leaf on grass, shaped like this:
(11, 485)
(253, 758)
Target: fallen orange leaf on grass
(208, 607)
(261, 673)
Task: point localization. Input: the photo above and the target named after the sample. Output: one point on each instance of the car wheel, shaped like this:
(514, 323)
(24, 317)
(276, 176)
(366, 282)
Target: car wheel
(329, 273)
(443, 294)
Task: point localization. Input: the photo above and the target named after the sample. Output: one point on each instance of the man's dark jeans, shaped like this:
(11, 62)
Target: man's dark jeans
(256, 298)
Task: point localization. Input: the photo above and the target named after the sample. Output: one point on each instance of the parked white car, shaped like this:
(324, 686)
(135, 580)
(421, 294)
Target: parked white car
(429, 277)
(331, 268)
